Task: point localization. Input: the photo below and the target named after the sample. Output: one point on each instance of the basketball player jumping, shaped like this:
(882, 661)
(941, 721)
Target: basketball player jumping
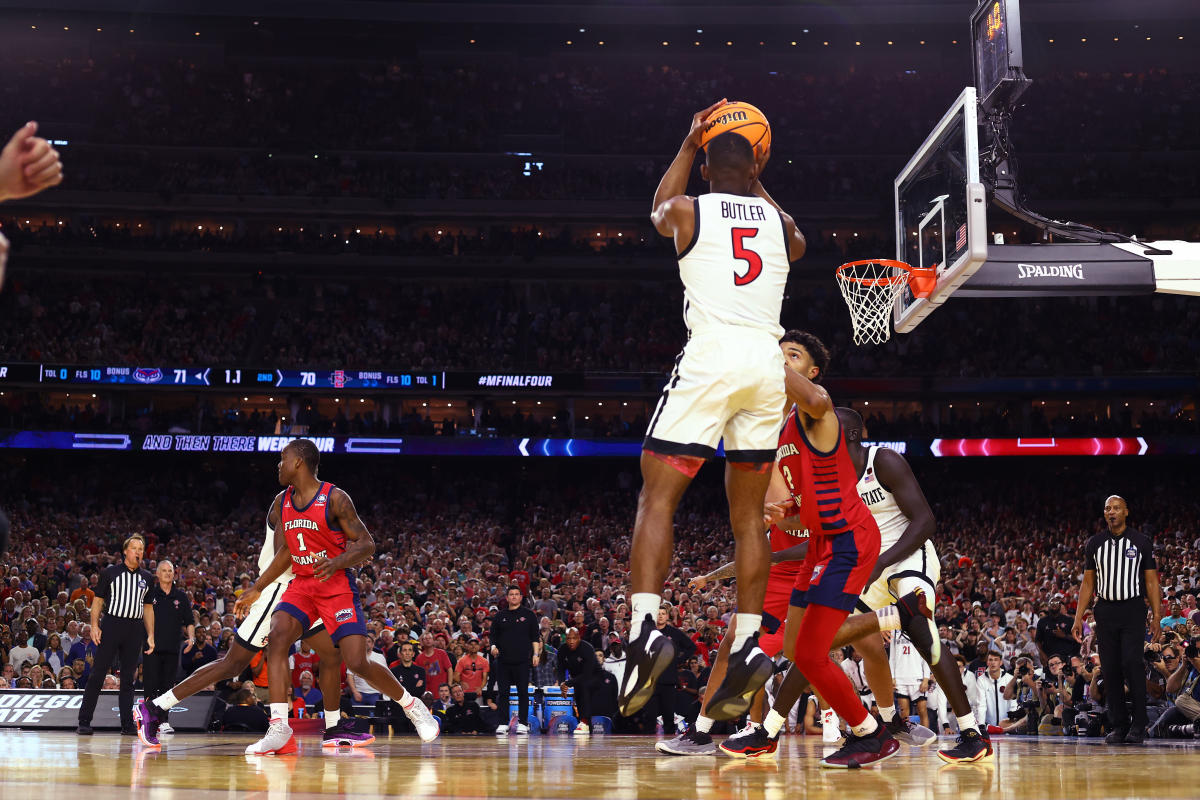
(325, 539)
(908, 562)
(734, 246)
(251, 636)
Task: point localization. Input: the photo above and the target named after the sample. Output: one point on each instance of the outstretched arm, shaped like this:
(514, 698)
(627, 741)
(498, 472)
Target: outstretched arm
(894, 473)
(362, 544)
(809, 397)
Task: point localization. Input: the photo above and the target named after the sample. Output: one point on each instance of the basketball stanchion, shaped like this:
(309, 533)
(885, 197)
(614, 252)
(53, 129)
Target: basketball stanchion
(870, 289)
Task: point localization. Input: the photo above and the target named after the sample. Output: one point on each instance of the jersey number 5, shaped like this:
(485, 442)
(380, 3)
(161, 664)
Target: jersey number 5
(743, 253)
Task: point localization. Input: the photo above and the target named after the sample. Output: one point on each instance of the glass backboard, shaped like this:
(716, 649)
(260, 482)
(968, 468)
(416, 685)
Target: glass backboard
(941, 211)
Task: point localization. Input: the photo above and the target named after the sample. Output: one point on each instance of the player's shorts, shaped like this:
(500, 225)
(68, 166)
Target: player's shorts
(252, 632)
(727, 383)
(910, 690)
(335, 601)
(839, 572)
(920, 570)
(775, 606)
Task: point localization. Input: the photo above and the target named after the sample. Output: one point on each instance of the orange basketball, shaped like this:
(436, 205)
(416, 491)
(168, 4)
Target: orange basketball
(743, 118)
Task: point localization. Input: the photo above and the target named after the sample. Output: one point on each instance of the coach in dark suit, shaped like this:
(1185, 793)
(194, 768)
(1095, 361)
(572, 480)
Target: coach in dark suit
(1119, 568)
(127, 625)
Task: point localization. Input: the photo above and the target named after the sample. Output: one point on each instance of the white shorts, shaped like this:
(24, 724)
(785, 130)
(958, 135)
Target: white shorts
(910, 690)
(727, 383)
(920, 570)
(253, 630)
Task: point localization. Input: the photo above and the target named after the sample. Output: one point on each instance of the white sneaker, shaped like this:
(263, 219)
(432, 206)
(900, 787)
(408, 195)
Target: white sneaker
(522, 729)
(165, 728)
(582, 729)
(278, 741)
(502, 730)
(427, 727)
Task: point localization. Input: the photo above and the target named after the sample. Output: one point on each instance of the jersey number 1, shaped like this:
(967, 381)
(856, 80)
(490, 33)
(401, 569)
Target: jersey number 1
(743, 253)
(300, 539)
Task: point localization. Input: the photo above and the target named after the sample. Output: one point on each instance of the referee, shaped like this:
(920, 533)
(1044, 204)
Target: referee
(128, 623)
(1120, 570)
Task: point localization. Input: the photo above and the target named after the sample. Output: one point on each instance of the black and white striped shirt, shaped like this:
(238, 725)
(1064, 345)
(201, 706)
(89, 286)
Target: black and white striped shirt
(1120, 564)
(123, 590)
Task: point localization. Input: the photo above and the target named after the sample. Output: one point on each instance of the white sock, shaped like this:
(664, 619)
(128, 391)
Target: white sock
(889, 618)
(967, 721)
(866, 728)
(279, 711)
(887, 714)
(774, 722)
(641, 604)
(332, 718)
(704, 724)
(406, 700)
(166, 701)
(746, 626)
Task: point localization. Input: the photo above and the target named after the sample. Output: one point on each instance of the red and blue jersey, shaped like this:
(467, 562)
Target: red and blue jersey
(312, 534)
(824, 485)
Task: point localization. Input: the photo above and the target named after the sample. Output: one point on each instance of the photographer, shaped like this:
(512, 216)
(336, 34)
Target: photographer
(1025, 693)
(1157, 674)
(1182, 719)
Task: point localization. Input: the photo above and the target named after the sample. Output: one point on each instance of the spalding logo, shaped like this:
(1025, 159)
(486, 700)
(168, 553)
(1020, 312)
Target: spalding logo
(147, 375)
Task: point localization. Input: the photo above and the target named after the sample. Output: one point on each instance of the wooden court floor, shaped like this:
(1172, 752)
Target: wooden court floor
(47, 765)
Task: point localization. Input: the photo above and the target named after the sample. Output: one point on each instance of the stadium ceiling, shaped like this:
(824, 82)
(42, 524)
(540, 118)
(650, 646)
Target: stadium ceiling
(645, 12)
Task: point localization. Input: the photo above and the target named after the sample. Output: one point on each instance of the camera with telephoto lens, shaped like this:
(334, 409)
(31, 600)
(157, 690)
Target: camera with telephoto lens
(1191, 651)
(1152, 656)
(1023, 670)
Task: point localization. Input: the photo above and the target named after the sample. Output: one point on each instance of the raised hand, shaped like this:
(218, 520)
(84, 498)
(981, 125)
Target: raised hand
(28, 164)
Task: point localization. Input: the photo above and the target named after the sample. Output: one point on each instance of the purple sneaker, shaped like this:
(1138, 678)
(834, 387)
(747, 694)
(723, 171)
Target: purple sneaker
(341, 735)
(145, 717)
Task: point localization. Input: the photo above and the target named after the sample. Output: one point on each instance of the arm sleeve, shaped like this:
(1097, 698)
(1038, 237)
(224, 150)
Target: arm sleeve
(1089, 557)
(1148, 549)
(103, 588)
(535, 632)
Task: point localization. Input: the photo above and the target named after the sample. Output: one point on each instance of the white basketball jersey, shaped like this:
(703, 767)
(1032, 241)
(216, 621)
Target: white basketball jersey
(882, 504)
(736, 266)
(907, 664)
(268, 555)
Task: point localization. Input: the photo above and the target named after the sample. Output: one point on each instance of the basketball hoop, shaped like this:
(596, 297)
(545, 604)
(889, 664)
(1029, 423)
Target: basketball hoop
(870, 289)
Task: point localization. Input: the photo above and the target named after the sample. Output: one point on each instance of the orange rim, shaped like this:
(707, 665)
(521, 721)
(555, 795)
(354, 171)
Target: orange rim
(922, 279)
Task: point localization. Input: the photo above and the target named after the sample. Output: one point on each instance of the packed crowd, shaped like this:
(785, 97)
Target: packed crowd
(561, 325)
(1010, 540)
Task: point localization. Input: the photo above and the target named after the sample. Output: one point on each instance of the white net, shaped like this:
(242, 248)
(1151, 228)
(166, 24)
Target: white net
(870, 289)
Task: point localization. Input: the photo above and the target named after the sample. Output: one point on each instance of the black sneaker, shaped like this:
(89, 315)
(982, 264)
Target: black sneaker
(913, 735)
(646, 658)
(692, 743)
(749, 670)
(863, 751)
(1116, 737)
(84, 730)
(1136, 735)
(916, 620)
(128, 730)
(971, 746)
(751, 742)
